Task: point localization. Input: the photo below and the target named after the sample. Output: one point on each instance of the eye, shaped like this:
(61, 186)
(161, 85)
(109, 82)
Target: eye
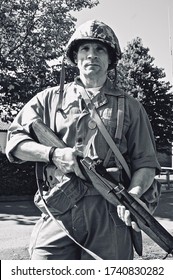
(84, 48)
(101, 49)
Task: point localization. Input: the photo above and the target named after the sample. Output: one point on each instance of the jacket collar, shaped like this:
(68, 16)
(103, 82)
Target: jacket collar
(108, 89)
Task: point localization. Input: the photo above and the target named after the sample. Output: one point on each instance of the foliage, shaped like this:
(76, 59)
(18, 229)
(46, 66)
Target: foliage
(32, 33)
(17, 179)
(138, 76)
(35, 32)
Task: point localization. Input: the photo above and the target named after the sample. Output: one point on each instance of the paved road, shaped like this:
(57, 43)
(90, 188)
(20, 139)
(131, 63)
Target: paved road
(17, 218)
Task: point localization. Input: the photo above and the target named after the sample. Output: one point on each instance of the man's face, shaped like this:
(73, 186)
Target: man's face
(92, 58)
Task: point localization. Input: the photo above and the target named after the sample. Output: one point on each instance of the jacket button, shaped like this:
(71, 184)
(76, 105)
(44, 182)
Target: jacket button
(92, 124)
(79, 140)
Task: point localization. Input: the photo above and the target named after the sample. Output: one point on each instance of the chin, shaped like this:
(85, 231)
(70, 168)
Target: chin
(90, 72)
(93, 70)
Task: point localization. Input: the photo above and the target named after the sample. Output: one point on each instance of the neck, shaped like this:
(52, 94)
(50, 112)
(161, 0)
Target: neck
(93, 82)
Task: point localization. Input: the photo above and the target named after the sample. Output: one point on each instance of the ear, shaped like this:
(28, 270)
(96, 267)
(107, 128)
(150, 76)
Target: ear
(109, 61)
(75, 57)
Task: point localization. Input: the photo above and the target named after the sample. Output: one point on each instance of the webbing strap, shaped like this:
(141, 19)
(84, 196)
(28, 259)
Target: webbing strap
(120, 118)
(89, 141)
(107, 158)
(61, 90)
(119, 127)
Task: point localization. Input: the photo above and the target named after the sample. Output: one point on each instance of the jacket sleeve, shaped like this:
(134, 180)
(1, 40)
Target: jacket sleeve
(37, 108)
(141, 143)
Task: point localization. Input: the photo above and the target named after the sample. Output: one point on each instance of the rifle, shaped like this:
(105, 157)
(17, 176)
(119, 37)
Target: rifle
(113, 191)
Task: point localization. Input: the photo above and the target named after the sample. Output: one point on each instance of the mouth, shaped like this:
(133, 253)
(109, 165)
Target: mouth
(92, 65)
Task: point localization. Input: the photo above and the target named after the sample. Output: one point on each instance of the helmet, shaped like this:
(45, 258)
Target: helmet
(97, 31)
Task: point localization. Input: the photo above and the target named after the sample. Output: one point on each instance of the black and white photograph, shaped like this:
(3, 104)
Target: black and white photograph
(86, 143)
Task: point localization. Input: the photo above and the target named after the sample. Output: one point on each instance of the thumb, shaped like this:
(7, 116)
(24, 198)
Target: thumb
(135, 226)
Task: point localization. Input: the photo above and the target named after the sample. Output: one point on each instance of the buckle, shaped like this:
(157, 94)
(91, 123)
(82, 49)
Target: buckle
(120, 188)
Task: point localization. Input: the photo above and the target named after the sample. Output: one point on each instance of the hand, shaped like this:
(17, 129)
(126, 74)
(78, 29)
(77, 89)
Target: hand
(124, 215)
(65, 160)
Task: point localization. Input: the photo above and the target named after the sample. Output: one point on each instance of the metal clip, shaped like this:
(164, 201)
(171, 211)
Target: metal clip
(121, 188)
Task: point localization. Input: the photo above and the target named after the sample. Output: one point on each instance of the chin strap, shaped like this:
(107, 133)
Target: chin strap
(61, 89)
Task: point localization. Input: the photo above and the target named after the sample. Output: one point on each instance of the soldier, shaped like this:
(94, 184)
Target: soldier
(92, 221)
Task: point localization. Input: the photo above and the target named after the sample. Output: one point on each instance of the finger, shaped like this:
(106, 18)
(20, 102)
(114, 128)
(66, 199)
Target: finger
(129, 222)
(127, 218)
(135, 226)
(121, 211)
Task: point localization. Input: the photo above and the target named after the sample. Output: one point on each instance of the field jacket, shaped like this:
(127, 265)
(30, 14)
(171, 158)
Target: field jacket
(73, 125)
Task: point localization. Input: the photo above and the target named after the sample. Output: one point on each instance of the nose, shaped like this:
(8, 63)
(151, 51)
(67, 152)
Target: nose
(92, 53)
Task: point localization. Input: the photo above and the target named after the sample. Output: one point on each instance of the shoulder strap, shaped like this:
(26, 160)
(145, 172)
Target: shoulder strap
(119, 127)
(58, 106)
(120, 118)
(61, 89)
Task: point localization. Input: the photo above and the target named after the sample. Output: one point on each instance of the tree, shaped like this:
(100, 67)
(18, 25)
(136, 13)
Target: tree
(139, 77)
(32, 32)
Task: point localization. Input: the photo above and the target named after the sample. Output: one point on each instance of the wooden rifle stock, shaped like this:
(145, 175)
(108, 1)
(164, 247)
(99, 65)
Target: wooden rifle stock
(45, 135)
(113, 191)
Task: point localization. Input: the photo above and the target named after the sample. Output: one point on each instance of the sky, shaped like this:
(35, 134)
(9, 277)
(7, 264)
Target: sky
(151, 20)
